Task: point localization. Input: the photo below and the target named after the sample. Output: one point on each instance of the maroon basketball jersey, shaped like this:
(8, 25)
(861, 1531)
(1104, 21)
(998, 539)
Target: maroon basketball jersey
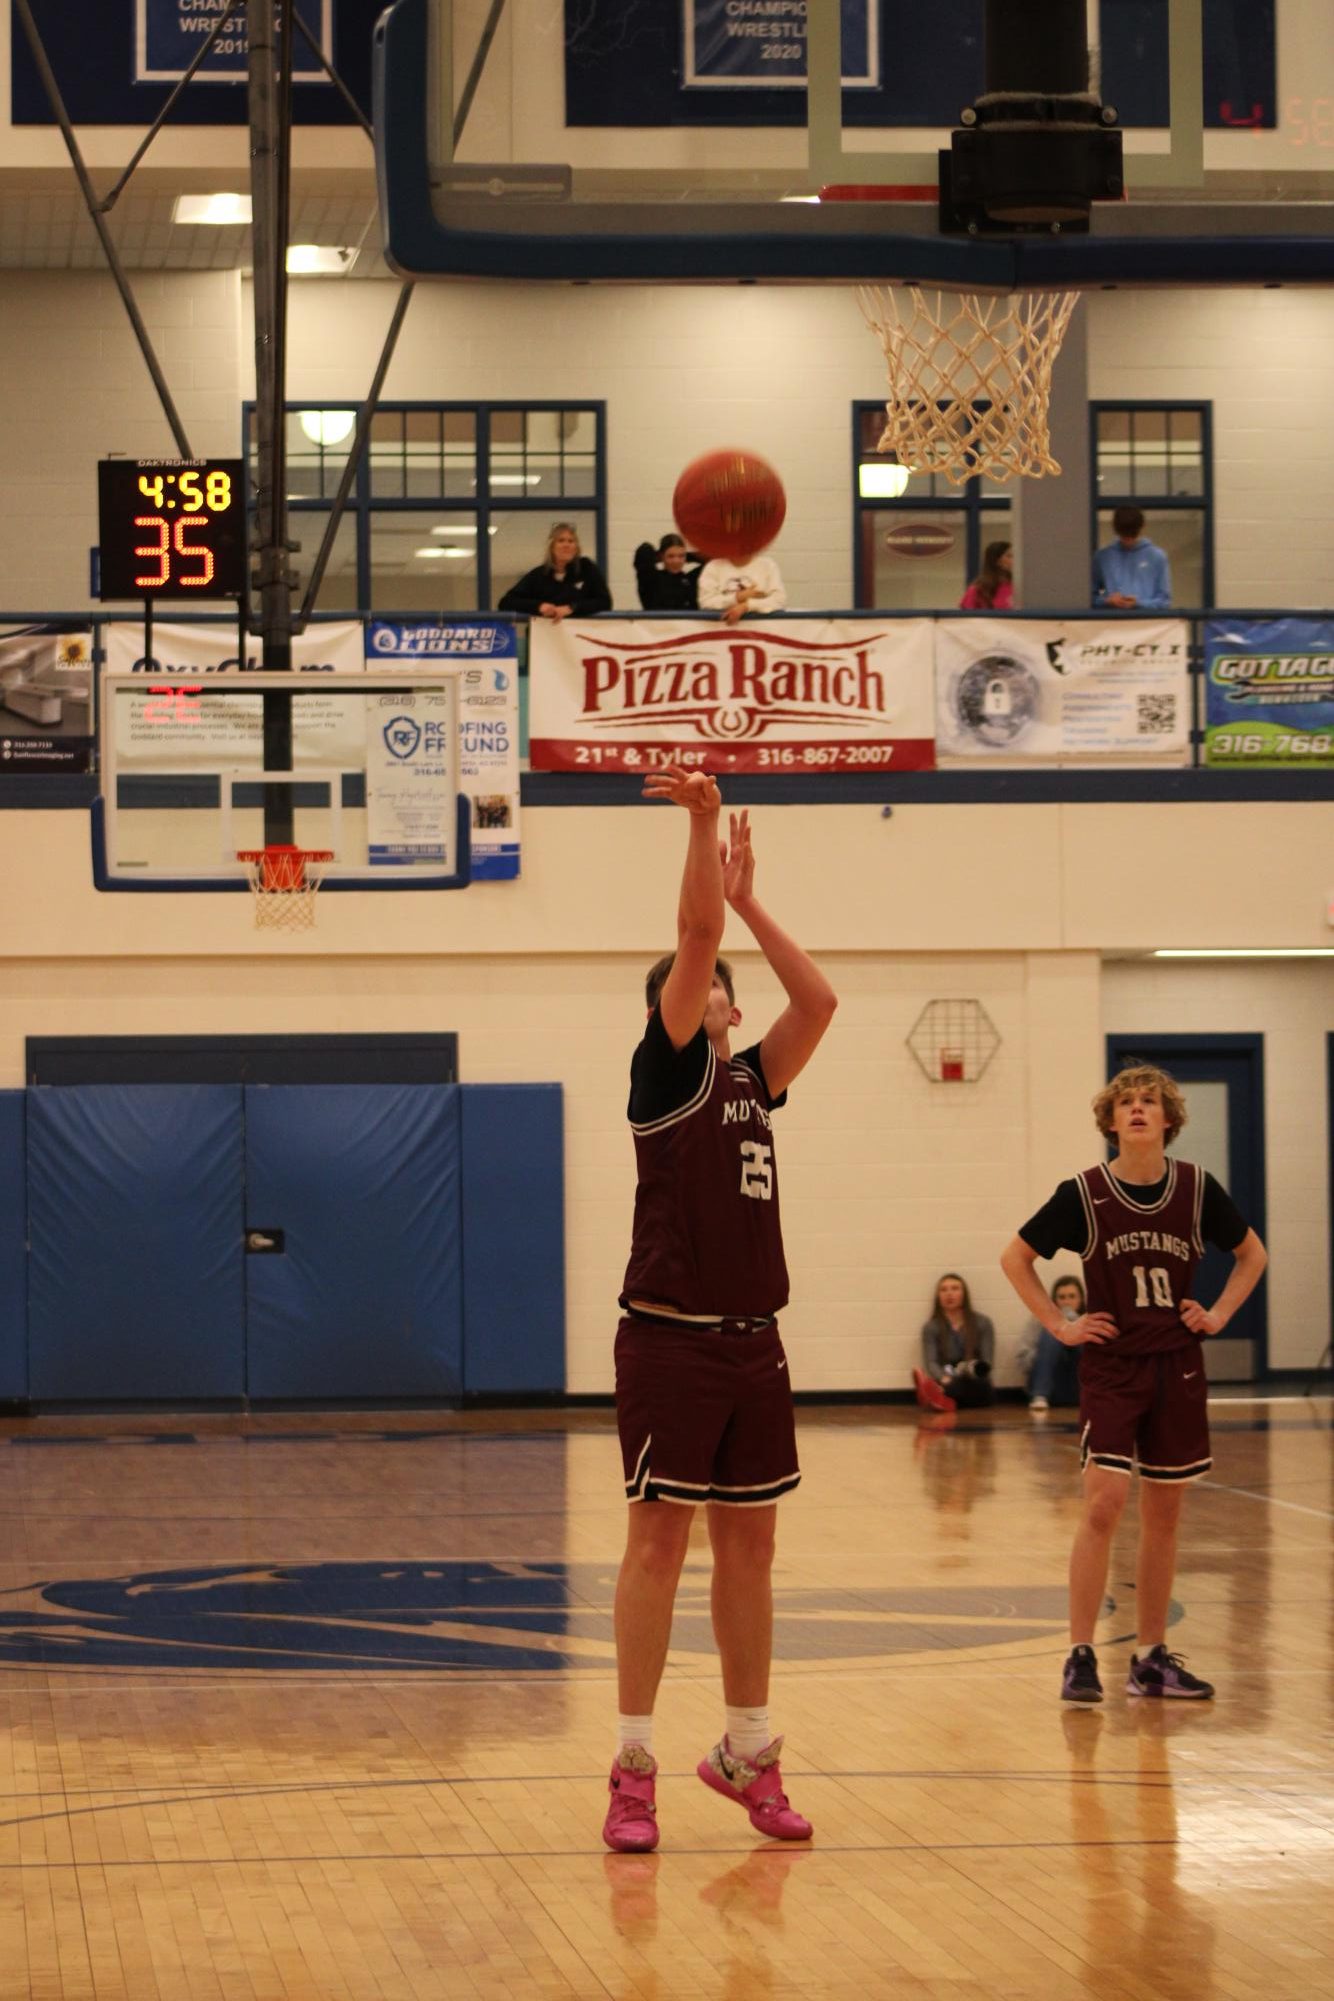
(1139, 1263)
(707, 1236)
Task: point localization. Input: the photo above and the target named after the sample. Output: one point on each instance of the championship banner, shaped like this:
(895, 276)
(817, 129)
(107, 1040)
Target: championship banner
(167, 35)
(762, 43)
(1270, 692)
(1077, 693)
(46, 701)
(776, 695)
(488, 723)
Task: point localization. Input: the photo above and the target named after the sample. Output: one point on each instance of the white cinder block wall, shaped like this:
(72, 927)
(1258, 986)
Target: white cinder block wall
(681, 369)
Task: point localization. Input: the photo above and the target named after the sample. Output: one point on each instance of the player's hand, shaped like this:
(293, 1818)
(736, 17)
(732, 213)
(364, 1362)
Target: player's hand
(1199, 1319)
(1089, 1328)
(738, 859)
(697, 791)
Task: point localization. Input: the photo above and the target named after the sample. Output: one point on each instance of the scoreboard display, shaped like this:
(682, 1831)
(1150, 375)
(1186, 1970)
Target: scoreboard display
(171, 529)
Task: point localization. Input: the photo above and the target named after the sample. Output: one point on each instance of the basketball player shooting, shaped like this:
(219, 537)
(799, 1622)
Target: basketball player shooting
(703, 1394)
(1140, 1227)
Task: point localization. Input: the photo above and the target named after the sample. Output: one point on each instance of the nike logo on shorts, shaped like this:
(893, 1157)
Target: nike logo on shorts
(783, 1363)
(1190, 1375)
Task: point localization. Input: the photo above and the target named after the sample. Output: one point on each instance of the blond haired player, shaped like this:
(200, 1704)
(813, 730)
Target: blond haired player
(1140, 1225)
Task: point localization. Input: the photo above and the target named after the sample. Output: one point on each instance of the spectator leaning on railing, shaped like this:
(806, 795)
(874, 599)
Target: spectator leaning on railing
(1131, 574)
(668, 576)
(567, 581)
(741, 590)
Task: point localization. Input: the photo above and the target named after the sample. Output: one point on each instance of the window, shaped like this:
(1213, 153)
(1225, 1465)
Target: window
(917, 540)
(451, 504)
(1158, 457)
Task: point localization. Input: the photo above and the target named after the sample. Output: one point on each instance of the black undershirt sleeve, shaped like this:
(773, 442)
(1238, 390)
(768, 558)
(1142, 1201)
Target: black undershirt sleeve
(1059, 1225)
(662, 1078)
(751, 1058)
(1221, 1222)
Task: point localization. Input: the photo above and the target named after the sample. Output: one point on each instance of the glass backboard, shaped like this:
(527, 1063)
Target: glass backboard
(199, 769)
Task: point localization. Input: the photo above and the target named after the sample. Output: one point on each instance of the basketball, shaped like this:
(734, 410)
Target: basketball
(729, 503)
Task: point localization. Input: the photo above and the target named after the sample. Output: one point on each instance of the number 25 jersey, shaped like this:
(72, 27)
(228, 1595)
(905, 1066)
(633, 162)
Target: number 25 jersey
(707, 1235)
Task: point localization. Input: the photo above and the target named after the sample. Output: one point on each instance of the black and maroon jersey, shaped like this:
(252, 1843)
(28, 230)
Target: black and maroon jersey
(707, 1236)
(1140, 1246)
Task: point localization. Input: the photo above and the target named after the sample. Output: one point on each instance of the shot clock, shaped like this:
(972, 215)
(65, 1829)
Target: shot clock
(171, 528)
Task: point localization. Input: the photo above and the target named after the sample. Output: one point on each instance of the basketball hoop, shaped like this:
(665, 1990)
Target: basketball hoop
(969, 378)
(284, 885)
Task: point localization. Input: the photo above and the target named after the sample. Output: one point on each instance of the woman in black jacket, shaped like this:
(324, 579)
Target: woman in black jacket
(566, 582)
(668, 576)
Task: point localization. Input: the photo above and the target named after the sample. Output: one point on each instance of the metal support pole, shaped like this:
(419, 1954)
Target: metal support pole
(108, 202)
(365, 418)
(57, 103)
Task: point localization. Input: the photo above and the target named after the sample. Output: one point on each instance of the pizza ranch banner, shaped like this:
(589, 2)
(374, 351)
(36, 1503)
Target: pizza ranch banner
(1076, 692)
(778, 695)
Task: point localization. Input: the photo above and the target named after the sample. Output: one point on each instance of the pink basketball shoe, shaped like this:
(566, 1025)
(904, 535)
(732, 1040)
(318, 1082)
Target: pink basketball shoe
(758, 1787)
(632, 1815)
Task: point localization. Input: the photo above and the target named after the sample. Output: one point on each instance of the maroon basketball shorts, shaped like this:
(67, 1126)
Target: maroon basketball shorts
(1145, 1410)
(704, 1416)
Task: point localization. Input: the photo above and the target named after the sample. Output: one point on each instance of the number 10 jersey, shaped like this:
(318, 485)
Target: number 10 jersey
(1140, 1259)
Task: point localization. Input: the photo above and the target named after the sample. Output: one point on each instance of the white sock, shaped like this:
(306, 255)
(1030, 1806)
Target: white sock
(747, 1731)
(634, 1730)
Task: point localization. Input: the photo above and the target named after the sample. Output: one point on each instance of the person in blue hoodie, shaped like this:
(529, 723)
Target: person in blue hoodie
(1131, 574)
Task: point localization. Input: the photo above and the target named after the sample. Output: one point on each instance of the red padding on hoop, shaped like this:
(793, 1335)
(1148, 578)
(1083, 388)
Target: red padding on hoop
(868, 191)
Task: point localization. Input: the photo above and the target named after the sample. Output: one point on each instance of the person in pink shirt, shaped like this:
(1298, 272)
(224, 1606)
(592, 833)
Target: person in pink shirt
(993, 588)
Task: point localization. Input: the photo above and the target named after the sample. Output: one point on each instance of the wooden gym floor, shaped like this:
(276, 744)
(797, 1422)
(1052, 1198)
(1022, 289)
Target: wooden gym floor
(322, 1707)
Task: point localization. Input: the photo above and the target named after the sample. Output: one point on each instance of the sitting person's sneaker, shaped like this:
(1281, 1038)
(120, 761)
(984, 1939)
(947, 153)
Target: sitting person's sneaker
(929, 1393)
(1164, 1674)
(758, 1787)
(632, 1814)
(1080, 1681)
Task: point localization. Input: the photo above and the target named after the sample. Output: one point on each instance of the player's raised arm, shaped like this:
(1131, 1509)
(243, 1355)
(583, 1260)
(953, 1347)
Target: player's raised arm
(792, 1040)
(701, 911)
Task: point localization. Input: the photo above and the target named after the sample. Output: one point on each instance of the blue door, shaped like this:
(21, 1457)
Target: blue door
(135, 1279)
(353, 1241)
(1223, 1078)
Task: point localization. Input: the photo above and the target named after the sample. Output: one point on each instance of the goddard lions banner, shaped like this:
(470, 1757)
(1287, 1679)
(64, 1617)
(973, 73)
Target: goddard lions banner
(778, 695)
(1075, 691)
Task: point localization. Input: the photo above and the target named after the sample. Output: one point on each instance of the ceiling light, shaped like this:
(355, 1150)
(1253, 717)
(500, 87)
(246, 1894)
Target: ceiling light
(516, 479)
(459, 528)
(431, 555)
(319, 258)
(1247, 952)
(218, 209)
(809, 198)
(456, 553)
(882, 482)
(327, 427)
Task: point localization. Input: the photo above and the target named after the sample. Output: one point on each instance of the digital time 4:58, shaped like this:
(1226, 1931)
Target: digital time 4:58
(171, 528)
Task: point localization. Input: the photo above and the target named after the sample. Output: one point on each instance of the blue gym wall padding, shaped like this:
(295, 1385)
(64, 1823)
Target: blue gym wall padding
(13, 1248)
(514, 1238)
(365, 1300)
(135, 1283)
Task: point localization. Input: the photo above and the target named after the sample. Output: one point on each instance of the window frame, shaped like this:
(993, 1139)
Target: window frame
(1201, 503)
(968, 500)
(363, 505)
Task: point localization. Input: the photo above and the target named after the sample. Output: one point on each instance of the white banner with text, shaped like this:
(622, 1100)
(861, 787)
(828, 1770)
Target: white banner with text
(773, 695)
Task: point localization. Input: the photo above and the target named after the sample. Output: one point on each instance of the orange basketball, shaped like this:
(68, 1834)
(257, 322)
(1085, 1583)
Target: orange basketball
(730, 504)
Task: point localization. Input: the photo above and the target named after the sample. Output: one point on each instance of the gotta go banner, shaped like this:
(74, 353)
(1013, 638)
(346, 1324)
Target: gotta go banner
(1270, 697)
(774, 695)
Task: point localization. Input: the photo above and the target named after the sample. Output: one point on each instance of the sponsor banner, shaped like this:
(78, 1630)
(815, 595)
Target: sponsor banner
(409, 810)
(488, 723)
(211, 649)
(776, 695)
(749, 44)
(1076, 692)
(1270, 691)
(46, 701)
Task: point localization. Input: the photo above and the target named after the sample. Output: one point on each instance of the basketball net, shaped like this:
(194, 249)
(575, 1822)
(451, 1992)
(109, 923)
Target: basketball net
(969, 378)
(284, 885)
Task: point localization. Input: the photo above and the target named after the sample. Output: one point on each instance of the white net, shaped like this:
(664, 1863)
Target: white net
(284, 882)
(969, 378)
